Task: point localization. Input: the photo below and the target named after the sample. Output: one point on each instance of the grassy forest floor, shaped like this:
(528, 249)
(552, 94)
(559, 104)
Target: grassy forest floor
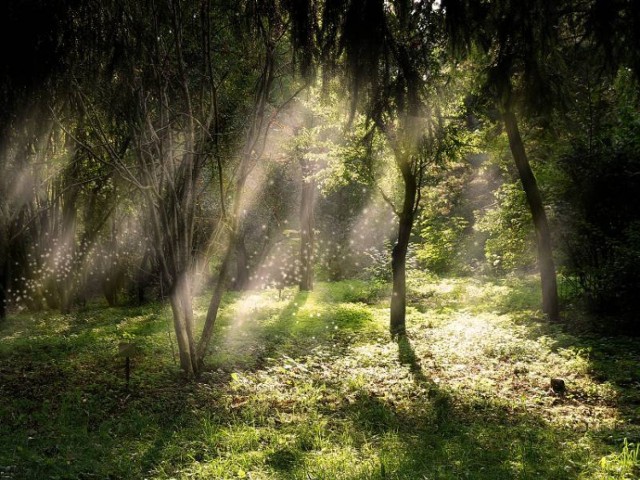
(309, 386)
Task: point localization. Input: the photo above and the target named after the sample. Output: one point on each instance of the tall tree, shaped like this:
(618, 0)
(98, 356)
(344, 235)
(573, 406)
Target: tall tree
(520, 40)
(267, 27)
(307, 221)
(388, 51)
(173, 71)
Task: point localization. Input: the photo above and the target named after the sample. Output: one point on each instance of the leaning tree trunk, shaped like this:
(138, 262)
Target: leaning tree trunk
(307, 224)
(214, 306)
(547, 268)
(397, 324)
(70, 191)
(183, 322)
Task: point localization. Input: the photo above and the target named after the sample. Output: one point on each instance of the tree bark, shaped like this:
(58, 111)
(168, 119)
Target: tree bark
(69, 223)
(4, 283)
(307, 225)
(110, 282)
(142, 279)
(110, 292)
(397, 323)
(550, 304)
(182, 310)
(212, 311)
(242, 271)
(181, 335)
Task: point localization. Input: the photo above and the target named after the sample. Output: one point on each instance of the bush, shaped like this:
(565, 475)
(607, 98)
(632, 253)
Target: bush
(510, 241)
(440, 249)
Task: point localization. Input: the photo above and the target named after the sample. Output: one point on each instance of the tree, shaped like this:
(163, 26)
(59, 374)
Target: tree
(269, 25)
(389, 53)
(550, 303)
(598, 154)
(183, 90)
(520, 40)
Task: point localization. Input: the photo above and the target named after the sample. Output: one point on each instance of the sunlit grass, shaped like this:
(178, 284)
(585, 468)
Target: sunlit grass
(310, 386)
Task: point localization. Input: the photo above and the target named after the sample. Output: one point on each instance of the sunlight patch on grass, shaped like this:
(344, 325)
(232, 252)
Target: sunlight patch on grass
(310, 386)
(487, 356)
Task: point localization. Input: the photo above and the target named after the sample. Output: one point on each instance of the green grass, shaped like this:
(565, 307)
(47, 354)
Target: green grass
(310, 386)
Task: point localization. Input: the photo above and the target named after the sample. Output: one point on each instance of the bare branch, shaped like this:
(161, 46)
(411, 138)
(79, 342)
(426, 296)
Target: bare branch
(388, 200)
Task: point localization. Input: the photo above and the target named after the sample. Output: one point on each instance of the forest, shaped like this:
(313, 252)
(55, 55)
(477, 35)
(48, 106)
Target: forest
(307, 239)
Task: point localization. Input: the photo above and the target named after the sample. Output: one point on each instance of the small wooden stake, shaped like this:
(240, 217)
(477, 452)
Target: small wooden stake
(127, 350)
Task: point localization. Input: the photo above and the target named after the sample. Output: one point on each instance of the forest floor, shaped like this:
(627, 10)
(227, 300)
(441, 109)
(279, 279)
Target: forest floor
(309, 386)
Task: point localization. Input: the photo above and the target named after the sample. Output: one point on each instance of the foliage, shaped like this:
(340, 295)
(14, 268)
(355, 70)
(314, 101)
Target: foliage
(508, 225)
(441, 244)
(603, 238)
(378, 269)
(148, 142)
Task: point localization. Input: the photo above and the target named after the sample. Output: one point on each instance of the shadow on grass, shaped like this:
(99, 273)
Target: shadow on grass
(407, 356)
(440, 435)
(246, 344)
(611, 358)
(612, 361)
(303, 325)
(60, 422)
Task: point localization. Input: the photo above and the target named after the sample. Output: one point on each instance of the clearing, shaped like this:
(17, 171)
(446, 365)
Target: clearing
(310, 386)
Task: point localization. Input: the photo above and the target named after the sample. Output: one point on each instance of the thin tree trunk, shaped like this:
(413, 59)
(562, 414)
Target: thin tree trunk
(550, 305)
(214, 305)
(182, 316)
(218, 291)
(69, 223)
(252, 152)
(110, 291)
(307, 225)
(181, 336)
(4, 284)
(110, 283)
(142, 278)
(397, 324)
(242, 271)
(189, 322)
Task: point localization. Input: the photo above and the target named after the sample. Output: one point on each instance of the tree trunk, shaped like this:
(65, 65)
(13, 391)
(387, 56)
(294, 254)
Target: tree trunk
(307, 225)
(546, 265)
(4, 285)
(218, 291)
(187, 306)
(212, 311)
(110, 291)
(181, 334)
(182, 310)
(242, 265)
(142, 279)
(397, 325)
(70, 191)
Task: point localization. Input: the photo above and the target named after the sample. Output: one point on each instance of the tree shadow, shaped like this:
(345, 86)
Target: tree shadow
(297, 330)
(440, 435)
(407, 356)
